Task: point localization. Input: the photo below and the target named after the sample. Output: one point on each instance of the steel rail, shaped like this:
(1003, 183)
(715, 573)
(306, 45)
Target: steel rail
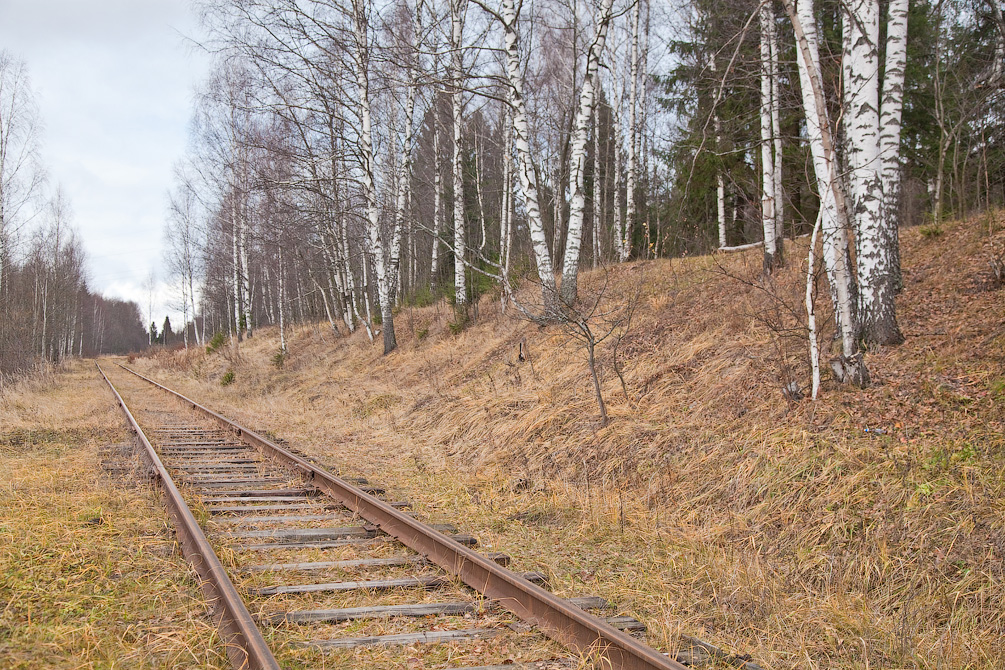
(246, 648)
(571, 626)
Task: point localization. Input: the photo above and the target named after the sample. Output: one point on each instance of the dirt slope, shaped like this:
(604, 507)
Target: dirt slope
(863, 530)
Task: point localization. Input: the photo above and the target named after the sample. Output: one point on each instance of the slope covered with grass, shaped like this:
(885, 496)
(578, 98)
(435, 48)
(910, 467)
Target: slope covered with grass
(863, 530)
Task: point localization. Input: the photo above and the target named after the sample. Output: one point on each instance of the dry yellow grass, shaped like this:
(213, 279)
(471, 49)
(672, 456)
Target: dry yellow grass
(89, 573)
(711, 505)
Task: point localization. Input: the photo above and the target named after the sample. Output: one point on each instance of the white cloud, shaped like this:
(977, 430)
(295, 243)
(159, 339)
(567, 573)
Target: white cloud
(115, 81)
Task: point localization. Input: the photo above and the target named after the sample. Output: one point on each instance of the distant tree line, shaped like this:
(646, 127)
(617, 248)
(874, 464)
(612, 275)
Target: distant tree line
(47, 312)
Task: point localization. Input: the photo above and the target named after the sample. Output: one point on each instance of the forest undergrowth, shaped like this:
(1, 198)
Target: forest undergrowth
(865, 529)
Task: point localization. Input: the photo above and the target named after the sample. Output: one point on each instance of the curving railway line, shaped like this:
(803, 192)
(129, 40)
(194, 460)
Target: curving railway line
(290, 534)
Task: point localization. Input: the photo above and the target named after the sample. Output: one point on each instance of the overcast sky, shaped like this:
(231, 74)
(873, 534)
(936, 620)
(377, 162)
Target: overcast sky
(115, 81)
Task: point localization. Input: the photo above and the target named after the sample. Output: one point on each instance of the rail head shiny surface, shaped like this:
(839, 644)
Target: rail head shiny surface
(566, 623)
(246, 648)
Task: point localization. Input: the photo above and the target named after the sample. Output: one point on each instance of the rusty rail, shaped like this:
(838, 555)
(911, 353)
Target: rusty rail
(245, 646)
(576, 629)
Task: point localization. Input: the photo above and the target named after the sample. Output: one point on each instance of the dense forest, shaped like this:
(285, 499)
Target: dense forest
(47, 311)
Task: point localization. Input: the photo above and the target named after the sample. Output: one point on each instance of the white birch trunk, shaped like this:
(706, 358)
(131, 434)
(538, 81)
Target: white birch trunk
(833, 217)
(720, 180)
(365, 290)
(245, 275)
(478, 190)
(269, 299)
(434, 262)
(891, 108)
(282, 304)
(342, 272)
(811, 313)
(890, 117)
(413, 255)
(505, 218)
(620, 236)
(460, 249)
(236, 336)
(643, 135)
(557, 202)
(337, 292)
(577, 156)
(632, 168)
(195, 314)
(525, 165)
(368, 183)
(456, 65)
(861, 97)
(767, 160)
(401, 205)
(776, 134)
(597, 188)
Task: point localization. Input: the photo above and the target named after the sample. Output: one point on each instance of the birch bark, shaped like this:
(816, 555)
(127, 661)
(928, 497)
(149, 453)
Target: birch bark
(457, 10)
(282, 304)
(525, 165)
(404, 166)
(811, 313)
(597, 189)
(367, 178)
(768, 222)
(577, 156)
(620, 230)
(505, 234)
(237, 335)
(834, 218)
(434, 262)
(776, 133)
(478, 189)
(242, 243)
(631, 171)
(873, 240)
(720, 181)
(879, 320)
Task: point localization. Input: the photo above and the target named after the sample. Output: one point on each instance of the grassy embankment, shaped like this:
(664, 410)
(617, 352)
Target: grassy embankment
(712, 504)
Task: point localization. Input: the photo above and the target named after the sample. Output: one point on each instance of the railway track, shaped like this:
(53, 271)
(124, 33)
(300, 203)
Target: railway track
(314, 565)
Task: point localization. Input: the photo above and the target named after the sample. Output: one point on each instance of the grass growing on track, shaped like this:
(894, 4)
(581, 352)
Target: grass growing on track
(89, 573)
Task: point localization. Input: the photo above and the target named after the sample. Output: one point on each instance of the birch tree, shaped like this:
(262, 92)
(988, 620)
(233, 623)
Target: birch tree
(184, 251)
(875, 240)
(458, 9)
(849, 366)
(631, 168)
(410, 67)
(577, 154)
(770, 157)
(890, 116)
(506, 204)
(434, 262)
(361, 55)
(508, 18)
(720, 179)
